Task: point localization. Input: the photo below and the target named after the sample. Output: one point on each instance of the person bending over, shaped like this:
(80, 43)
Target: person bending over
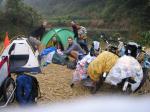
(103, 63)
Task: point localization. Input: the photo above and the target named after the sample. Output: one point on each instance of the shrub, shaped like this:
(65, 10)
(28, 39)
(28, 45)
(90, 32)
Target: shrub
(145, 38)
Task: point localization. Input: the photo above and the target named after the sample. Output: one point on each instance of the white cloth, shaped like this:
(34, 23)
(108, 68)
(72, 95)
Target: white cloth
(88, 58)
(125, 67)
(96, 45)
(48, 58)
(59, 52)
(133, 43)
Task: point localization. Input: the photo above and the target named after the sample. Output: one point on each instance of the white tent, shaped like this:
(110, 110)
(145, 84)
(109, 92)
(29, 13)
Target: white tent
(22, 57)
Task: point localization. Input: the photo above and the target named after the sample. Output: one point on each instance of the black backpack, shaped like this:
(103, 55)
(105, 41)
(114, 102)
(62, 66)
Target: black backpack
(35, 88)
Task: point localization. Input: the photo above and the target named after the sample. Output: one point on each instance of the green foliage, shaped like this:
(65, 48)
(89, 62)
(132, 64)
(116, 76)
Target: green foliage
(19, 13)
(131, 14)
(145, 38)
(17, 18)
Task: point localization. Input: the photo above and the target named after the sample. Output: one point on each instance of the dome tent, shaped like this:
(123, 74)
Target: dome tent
(61, 34)
(22, 57)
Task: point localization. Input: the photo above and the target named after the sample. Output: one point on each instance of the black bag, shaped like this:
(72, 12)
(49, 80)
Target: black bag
(131, 50)
(35, 88)
(60, 59)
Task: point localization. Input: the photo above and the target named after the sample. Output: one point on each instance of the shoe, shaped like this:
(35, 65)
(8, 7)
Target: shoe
(72, 85)
(95, 88)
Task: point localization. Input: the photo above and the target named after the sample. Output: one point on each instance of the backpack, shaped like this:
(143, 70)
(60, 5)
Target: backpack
(27, 89)
(35, 87)
(60, 59)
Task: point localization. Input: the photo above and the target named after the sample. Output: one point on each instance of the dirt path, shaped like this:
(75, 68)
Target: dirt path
(55, 86)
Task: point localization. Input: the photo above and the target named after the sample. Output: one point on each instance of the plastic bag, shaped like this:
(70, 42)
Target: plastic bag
(125, 67)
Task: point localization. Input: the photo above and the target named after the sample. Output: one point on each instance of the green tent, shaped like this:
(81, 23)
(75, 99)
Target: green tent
(61, 34)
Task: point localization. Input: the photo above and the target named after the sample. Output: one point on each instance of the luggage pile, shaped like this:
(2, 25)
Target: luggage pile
(128, 71)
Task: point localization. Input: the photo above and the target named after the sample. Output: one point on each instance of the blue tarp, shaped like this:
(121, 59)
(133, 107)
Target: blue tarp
(47, 51)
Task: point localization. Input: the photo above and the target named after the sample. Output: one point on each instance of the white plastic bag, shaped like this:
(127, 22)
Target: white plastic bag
(125, 67)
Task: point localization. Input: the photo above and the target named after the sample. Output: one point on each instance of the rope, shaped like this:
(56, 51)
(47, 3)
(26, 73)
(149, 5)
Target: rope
(8, 99)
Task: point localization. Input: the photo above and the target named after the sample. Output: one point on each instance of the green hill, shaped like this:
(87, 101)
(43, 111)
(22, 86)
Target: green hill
(128, 15)
(116, 12)
(82, 8)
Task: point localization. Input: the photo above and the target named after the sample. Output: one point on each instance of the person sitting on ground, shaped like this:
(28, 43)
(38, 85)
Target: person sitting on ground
(36, 36)
(55, 43)
(73, 50)
(103, 63)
